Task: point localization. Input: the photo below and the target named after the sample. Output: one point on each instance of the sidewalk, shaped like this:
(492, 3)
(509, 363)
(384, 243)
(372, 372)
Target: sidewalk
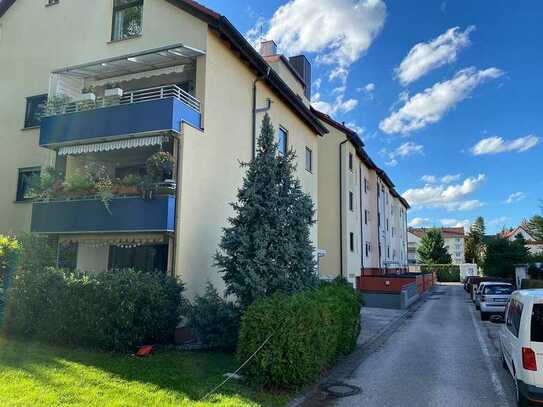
(376, 320)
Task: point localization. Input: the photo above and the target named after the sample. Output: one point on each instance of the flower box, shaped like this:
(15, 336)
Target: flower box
(86, 97)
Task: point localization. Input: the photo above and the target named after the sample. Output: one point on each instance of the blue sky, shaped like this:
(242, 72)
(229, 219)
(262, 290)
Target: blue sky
(422, 109)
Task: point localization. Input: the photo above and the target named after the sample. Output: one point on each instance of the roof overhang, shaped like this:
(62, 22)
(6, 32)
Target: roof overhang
(158, 58)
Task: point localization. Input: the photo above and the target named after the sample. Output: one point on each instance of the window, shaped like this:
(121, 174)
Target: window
(67, 256)
(152, 258)
(368, 249)
(351, 201)
(35, 105)
(282, 139)
(536, 325)
(23, 183)
(351, 241)
(387, 225)
(366, 216)
(351, 161)
(127, 19)
(308, 159)
(52, 2)
(365, 185)
(514, 313)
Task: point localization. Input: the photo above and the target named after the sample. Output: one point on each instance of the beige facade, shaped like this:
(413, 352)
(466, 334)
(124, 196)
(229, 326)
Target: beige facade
(362, 227)
(453, 238)
(208, 173)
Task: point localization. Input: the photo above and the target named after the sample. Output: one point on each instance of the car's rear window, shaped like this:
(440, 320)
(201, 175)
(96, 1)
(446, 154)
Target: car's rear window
(498, 289)
(536, 326)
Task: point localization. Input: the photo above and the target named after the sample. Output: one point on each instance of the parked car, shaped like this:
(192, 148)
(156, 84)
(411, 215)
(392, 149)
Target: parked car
(493, 298)
(521, 341)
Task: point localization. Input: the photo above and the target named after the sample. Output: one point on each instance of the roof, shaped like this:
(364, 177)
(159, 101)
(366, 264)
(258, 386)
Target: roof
(244, 50)
(515, 231)
(279, 57)
(358, 144)
(445, 232)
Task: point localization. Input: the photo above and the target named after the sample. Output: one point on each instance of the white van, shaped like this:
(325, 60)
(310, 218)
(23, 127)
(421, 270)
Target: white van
(521, 340)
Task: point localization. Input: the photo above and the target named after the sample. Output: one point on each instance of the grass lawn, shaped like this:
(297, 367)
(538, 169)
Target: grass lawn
(32, 374)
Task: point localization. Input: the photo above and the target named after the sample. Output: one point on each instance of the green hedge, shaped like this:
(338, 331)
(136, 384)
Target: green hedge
(310, 330)
(529, 283)
(114, 310)
(445, 272)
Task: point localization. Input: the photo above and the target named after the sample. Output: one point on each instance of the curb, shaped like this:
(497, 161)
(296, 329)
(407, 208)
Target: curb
(345, 367)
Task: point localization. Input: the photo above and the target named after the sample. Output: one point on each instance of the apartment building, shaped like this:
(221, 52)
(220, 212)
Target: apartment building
(362, 219)
(454, 239)
(534, 246)
(117, 83)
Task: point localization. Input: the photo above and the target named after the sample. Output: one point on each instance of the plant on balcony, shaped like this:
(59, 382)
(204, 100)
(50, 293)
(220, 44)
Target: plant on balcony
(56, 104)
(104, 188)
(113, 90)
(78, 184)
(160, 166)
(129, 185)
(44, 186)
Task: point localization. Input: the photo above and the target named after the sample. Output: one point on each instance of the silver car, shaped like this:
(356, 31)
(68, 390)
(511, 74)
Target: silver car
(493, 298)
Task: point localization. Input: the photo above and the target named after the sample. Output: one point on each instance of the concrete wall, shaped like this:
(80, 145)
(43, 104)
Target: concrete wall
(36, 40)
(210, 172)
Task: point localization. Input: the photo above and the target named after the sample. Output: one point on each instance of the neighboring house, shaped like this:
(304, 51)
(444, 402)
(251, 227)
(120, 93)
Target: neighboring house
(191, 85)
(454, 241)
(362, 219)
(534, 246)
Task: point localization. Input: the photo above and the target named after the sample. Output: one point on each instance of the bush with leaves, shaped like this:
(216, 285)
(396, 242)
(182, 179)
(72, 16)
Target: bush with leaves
(214, 321)
(303, 334)
(37, 251)
(444, 272)
(115, 310)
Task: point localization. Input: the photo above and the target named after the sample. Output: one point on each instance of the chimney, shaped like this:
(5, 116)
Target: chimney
(303, 67)
(268, 48)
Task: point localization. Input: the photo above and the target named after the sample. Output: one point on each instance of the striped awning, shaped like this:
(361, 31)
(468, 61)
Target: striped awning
(112, 145)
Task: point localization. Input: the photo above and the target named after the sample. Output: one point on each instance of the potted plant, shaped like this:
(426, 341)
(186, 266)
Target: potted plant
(160, 166)
(113, 90)
(129, 185)
(88, 94)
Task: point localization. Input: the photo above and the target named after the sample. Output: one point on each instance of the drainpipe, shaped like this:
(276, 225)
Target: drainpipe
(177, 197)
(362, 245)
(341, 209)
(380, 248)
(258, 79)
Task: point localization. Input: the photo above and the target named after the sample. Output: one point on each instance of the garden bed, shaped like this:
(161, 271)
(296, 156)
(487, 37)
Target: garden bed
(40, 375)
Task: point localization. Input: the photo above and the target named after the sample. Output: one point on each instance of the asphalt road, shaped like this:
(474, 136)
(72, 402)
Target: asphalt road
(444, 355)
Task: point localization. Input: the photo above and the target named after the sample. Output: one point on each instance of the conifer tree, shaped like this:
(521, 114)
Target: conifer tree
(267, 246)
(432, 249)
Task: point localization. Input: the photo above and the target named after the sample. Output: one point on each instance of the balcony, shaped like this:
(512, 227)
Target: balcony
(139, 112)
(126, 214)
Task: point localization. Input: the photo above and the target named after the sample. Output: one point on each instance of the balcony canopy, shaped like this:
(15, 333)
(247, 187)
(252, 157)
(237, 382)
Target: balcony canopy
(158, 58)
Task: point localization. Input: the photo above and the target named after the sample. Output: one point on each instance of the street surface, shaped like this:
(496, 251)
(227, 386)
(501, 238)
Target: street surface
(443, 355)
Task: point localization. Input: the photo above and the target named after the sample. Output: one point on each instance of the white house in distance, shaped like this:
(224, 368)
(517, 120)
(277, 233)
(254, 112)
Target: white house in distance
(454, 241)
(534, 246)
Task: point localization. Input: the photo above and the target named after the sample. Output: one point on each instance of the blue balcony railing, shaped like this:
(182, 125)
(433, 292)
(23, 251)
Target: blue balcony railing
(90, 215)
(139, 112)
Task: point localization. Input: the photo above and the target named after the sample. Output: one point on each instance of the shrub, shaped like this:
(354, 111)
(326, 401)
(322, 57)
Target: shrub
(10, 249)
(114, 310)
(37, 252)
(306, 332)
(214, 321)
(447, 273)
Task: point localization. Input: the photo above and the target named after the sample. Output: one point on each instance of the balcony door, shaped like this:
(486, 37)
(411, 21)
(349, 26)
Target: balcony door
(152, 258)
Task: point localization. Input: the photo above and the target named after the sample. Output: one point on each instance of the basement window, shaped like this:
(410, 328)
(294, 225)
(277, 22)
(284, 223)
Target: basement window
(127, 19)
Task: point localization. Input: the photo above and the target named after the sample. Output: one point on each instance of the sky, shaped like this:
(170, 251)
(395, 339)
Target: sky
(446, 95)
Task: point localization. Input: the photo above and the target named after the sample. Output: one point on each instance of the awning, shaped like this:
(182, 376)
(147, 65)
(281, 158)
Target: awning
(112, 145)
(158, 58)
(128, 240)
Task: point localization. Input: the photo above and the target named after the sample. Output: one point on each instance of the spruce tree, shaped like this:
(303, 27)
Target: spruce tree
(475, 242)
(267, 246)
(432, 249)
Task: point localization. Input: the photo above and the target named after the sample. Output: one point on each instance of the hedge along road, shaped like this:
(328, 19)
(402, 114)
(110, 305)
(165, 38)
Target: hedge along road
(442, 356)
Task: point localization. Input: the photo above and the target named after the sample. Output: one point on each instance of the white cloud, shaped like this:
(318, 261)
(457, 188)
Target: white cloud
(447, 179)
(338, 105)
(404, 150)
(419, 222)
(515, 197)
(456, 223)
(426, 56)
(370, 87)
(431, 105)
(451, 197)
(353, 126)
(495, 145)
(340, 31)
(429, 179)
